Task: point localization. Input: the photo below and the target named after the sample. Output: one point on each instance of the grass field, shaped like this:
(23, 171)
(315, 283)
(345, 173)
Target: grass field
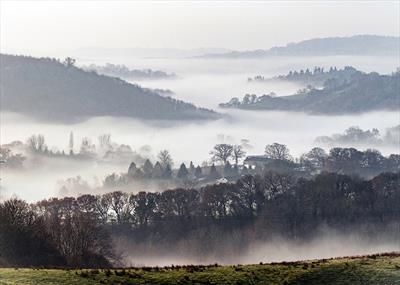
(374, 269)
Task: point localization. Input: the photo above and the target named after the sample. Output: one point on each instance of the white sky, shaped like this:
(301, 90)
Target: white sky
(56, 26)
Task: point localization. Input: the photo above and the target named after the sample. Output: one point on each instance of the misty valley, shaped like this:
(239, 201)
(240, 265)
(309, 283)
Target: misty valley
(153, 129)
(151, 157)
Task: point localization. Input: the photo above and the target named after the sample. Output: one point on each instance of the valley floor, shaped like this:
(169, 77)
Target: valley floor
(381, 269)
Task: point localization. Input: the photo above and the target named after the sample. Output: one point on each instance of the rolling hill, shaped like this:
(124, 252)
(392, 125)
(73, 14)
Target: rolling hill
(354, 45)
(361, 92)
(48, 89)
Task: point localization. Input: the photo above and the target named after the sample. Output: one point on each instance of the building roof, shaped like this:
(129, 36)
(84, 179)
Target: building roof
(257, 158)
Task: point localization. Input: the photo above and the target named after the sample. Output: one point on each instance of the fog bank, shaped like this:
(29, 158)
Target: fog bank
(328, 245)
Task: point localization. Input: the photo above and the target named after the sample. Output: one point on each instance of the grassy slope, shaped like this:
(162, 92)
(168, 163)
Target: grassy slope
(377, 270)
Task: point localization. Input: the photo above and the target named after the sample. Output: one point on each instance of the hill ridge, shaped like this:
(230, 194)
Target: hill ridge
(338, 45)
(49, 89)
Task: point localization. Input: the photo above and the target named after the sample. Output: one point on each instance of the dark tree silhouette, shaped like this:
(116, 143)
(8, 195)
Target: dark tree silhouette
(183, 173)
(222, 152)
(277, 151)
(165, 158)
(238, 153)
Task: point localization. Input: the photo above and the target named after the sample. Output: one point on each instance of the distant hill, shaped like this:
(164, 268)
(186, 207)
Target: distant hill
(361, 93)
(355, 45)
(52, 90)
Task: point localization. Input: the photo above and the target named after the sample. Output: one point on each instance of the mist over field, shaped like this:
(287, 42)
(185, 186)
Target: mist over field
(327, 244)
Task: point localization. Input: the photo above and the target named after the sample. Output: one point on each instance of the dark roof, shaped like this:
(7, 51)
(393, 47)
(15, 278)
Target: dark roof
(257, 158)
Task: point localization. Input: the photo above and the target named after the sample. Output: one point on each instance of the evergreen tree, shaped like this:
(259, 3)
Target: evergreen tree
(198, 173)
(138, 174)
(167, 172)
(132, 169)
(183, 172)
(214, 174)
(148, 168)
(191, 168)
(165, 158)
(158, 170)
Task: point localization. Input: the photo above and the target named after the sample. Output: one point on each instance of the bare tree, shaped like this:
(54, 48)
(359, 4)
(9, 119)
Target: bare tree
(165, 158)
(275, 183)
(36, 143)
(314, 159)
(120, 206)
(238, 153)
(277, 151)
(32, 143)
(40, 143)
(222, 152)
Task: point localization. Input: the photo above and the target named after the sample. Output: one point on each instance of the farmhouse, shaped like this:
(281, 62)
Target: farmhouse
(257, 161)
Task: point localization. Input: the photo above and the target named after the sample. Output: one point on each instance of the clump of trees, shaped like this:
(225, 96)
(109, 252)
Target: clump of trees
(53, 233)
(77, 232)
(10, 160)
(118, 70)
(277, 151)
(13, 154)
(349, 161)
(276, 158)
(247, 100)
(225, 152)
(357, 136)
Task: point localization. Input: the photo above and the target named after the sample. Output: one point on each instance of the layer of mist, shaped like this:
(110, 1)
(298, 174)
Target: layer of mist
(329, 244)
(186, 141)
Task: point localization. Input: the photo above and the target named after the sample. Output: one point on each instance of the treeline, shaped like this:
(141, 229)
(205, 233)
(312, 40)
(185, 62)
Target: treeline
(122, 71)
(276, 158)
(77, 232)
(316, 76)
(350, 161)
(53, 233)
(357, 136)
(13, 155)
